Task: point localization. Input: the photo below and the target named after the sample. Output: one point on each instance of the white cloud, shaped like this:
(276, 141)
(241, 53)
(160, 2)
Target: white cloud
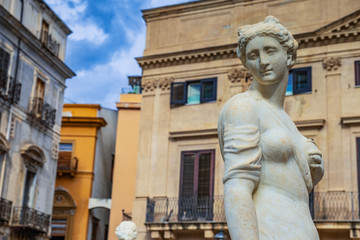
(72, 12)
(161, 3)
(103, 83)
(88, 32)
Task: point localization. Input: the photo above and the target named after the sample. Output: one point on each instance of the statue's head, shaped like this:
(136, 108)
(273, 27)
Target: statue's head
(126, 231)
(270, 27)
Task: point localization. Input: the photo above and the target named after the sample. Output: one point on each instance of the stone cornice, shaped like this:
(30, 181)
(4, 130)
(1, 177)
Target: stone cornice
(176, 135)
(83, 122)
(348, 121)
(310, 124)
(128, 105)
(189, 56)
(346, 29)
(28, 38)
(56, 19)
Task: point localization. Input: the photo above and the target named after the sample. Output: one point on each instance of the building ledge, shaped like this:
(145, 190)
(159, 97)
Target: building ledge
(176, 135)
(308, 124)
(348, 121)
(83, 122)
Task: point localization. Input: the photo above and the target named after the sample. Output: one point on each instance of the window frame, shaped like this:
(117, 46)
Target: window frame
(196, 170)
(292, 74)
(185, 94)
(357, 73)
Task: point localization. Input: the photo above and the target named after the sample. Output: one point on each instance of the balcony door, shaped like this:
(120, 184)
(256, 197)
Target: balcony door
(196, 185)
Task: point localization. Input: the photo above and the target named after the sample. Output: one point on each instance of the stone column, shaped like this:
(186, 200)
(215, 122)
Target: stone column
(334, 159)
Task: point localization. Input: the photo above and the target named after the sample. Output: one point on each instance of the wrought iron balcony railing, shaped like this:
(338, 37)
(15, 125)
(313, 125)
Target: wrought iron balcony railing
(194, 209)
(43, 112)
(5, 210)
(9, 89)
(324, 206)
(25, 217)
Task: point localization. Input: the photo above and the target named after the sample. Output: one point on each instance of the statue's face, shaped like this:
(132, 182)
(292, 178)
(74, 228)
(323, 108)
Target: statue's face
(266, 59)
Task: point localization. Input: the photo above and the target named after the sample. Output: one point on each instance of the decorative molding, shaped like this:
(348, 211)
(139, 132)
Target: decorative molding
(33, 157)
(331, 64)
(165, 83)
(55, 147)
(310, 124)
(83, 122)
(149, 86)
(162, 83)
(176, 135)
(240, 75)
(349, 121)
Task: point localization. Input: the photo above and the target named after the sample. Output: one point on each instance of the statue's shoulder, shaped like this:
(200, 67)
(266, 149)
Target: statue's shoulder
(240, 100)
(242, 105)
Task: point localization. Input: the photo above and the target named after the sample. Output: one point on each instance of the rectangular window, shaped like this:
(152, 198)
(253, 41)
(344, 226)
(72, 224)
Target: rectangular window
(299, 81)
(4, 66)
(193, 92)
(196, 185)
(357, 73)
(44, 33)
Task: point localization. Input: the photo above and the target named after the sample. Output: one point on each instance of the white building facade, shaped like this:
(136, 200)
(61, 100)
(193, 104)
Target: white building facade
(32, 83)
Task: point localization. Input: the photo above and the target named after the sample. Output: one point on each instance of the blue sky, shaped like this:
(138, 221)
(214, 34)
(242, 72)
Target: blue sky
(107, 36)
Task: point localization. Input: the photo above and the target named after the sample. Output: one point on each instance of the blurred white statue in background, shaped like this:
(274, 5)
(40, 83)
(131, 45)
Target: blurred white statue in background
(126, 231)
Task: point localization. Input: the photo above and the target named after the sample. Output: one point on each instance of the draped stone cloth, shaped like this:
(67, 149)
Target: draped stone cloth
(260, 142)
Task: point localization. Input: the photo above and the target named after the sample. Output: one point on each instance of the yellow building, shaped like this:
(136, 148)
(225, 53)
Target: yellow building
(83, 182)
(190, 69)
(127, 138)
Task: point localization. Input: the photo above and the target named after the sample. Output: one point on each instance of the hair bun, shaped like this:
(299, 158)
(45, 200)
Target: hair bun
(271, 19)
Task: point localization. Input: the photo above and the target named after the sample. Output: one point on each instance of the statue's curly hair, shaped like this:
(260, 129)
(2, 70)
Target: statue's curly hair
(269, 27)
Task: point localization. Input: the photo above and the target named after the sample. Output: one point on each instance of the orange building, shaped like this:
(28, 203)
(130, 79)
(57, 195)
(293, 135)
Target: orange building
(83, 183)
(123, 189)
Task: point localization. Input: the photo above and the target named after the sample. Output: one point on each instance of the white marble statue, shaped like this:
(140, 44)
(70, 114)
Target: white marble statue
(126, 231)
(270, 168)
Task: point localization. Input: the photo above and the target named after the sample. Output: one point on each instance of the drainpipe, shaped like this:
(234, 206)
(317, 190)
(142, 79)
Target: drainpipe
(16, 71)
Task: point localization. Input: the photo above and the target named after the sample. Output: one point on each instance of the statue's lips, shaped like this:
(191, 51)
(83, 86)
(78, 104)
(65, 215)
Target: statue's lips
(266, 72)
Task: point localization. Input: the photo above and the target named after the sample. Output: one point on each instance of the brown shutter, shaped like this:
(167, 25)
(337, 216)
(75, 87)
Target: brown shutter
(204, 177)
(187, 177)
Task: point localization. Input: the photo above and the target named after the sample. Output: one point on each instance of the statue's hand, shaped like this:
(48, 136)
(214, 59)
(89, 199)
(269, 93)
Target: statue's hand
(315, 161)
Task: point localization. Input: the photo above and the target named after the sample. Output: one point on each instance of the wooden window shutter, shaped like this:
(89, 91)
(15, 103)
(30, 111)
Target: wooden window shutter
(178, 93)
(187, 175)
(204, 174)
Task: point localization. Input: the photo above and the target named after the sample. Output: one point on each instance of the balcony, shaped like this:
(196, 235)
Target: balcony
(325, 206)
(5, 210)
(67, 165)
(42, 113)
(30, 219)
(9, 89)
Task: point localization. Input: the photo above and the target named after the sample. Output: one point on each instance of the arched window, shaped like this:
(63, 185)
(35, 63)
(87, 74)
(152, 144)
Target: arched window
(63, 213)
(33, 158)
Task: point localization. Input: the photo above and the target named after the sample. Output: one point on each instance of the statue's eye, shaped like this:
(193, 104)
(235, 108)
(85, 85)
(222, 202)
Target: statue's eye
(252, 56)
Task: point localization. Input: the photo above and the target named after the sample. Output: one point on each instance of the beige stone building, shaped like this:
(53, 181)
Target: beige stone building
(190, 69)
(32, 84)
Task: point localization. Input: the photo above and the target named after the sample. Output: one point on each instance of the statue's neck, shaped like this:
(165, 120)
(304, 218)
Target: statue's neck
(274, 93)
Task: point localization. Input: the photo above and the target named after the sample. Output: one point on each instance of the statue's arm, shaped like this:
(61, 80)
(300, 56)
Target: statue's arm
(240, 210)
(241, 151)
(315, 161)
